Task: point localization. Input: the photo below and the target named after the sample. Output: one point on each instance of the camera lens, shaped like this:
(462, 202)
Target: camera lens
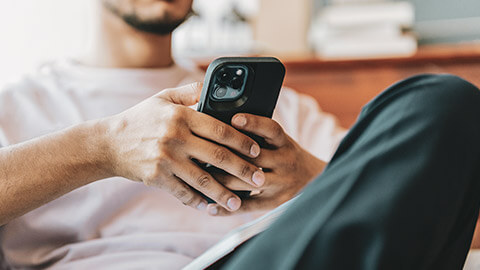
(225, 76)
(237, 83)
(220, 92)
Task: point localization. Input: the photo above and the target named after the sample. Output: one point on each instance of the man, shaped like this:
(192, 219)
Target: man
(115, 222)
(401, 192)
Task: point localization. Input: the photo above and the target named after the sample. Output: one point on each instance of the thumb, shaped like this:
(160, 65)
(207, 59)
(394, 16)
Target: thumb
(185, 95)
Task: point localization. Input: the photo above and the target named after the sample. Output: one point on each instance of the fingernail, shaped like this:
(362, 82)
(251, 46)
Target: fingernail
(233, 204)
(255, 150)
(258, 178)
(202, 206)
(240, 120)
(213, 211)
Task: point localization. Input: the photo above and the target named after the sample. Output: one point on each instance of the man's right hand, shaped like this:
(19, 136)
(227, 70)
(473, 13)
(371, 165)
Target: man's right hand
(154, 142)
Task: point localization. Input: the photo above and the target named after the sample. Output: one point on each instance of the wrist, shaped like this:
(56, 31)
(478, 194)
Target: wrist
(95, 146)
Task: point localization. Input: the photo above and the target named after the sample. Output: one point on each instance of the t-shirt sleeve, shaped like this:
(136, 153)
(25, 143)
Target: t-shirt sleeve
(306, 123)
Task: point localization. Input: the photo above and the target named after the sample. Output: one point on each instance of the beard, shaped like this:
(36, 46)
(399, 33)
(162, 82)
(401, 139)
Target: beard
(163, 25)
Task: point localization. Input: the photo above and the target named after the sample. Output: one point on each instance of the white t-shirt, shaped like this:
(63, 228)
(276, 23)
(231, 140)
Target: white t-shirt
(116, 223)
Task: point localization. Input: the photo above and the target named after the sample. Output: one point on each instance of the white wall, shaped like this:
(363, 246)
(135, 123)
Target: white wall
(32, 31)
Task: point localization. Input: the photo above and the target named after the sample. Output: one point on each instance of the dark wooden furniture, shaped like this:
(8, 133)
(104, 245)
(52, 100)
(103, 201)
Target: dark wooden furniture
(342, 87)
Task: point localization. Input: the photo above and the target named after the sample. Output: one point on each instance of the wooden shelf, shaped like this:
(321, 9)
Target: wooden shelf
(342, 87)
(464, 53)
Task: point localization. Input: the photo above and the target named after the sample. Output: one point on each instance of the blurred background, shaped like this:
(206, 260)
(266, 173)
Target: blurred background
(31, 32)
(338, 51)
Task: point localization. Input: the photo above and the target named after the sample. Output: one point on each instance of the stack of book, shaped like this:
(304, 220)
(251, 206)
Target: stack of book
(364, 30)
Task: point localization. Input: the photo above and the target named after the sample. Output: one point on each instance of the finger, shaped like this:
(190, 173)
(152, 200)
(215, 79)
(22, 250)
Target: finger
(207, 127)
(264, 127)
(231, 182)
(268, 159)
(185, 95)
(176, 187)
(206, 184)
(248, 205)
(224, 159)
(276, 161)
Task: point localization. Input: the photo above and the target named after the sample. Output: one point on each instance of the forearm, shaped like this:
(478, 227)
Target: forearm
(40, 170)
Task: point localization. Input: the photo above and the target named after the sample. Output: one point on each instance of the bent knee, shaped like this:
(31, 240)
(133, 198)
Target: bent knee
(444, 92)
(441, 98)
(454, 86)
(449, 97)
(433, 91)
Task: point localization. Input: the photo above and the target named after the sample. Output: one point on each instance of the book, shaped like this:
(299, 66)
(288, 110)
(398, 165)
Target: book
(364, 30)
(321, 33)
(400, 13)
(236, 237)
(358, 48)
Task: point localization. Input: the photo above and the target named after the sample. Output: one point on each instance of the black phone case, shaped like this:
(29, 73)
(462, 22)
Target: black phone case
(262, 91)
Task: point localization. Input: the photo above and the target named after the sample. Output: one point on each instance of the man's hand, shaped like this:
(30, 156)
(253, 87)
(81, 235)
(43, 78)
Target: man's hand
(154, 142)
(287, 166)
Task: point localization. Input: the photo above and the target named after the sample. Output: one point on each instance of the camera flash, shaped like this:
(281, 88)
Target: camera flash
(239, 72)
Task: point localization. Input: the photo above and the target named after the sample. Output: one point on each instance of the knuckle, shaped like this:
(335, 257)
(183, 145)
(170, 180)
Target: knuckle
(203, 181)
(246, 145)
(152, 174)
(148, 181)
(196, 85)
(163, 94)
(291, 165)
(184, 196)
(171, 138)
(277, 130)
(162, 159)
(164, 141)
(220, 155)
(245, 170)
(181, 194)
(177, 115)
(189, 201)
(152, 178)
(166, 91)
(221, 131)
(224, 196)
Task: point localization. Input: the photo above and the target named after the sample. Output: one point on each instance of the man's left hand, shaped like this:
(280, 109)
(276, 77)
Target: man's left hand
(287, 166)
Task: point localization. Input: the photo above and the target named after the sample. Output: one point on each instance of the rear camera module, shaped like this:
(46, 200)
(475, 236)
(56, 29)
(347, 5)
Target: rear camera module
(229, 82)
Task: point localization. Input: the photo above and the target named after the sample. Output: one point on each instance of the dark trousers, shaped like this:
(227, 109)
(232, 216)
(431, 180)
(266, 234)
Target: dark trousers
(401, 192)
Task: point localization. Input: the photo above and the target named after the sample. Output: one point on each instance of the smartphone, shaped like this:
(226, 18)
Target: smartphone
(241, 85)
